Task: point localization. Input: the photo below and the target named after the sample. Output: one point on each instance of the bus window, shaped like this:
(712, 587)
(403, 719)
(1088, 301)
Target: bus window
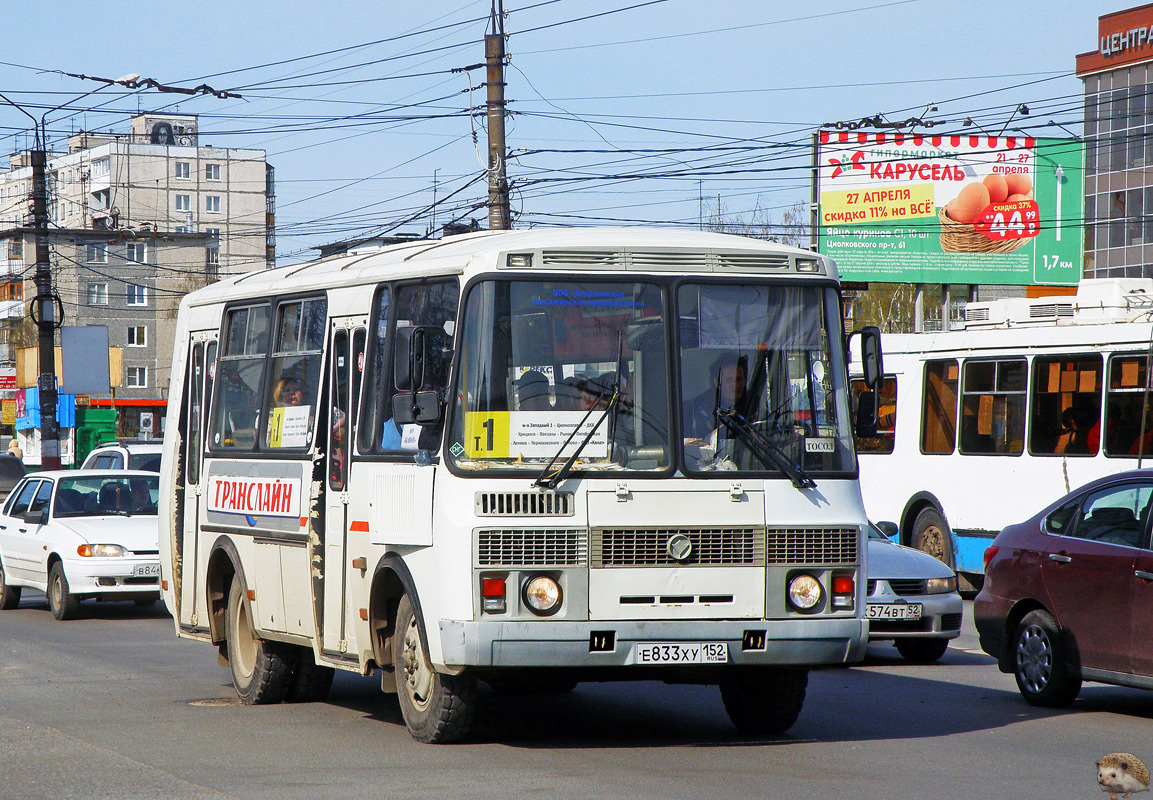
(236, 409)
(1128, 416)
(883, 440)
(993, 407)
(373, 416)
(1065, 405)
(939, 421)
(295, 378)
(426, 304)
(194, 396)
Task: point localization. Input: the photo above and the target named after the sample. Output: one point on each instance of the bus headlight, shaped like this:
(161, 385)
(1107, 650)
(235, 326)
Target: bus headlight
(542, 595)
(804, 592)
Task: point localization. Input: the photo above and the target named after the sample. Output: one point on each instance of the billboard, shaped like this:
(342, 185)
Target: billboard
(906, 208)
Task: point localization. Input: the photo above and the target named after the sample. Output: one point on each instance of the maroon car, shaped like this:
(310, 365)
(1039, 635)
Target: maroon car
(1068, 594)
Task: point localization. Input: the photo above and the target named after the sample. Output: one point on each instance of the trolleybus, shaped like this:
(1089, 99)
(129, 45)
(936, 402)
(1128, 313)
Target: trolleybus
(526, 458)
(981, 427)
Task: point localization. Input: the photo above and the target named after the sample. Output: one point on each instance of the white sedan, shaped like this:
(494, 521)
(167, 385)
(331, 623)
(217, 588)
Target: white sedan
(912, 598)
(80, 534)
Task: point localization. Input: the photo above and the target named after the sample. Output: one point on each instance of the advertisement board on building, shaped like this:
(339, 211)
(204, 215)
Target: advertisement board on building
(908, 208)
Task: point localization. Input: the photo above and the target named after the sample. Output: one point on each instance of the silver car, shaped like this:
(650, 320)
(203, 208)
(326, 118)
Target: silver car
(912, 598)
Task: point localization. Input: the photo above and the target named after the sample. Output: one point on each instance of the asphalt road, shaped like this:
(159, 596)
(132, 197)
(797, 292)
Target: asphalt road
(113, 705)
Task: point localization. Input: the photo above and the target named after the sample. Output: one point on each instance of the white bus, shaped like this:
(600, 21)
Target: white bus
(981, 427)
(483, 458)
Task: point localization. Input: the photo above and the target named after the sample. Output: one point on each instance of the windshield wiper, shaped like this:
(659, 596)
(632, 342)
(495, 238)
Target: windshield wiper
(546, 481)
(767, 452)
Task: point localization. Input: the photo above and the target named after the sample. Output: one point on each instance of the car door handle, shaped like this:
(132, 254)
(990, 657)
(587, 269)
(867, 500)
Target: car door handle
(1060, 559)
(1143, 575)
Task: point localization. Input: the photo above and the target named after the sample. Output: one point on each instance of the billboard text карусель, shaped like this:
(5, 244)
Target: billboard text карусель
(883, 201)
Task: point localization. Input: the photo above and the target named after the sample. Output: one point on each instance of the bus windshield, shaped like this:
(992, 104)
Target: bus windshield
(552, 367)
(765, 355)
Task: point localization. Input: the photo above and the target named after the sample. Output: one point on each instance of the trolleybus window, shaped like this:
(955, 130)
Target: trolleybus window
(993, 407)
(550, 367)
(1128, 407)
(236, 413)
(939, 420)
(886, 398)
(1065, 405)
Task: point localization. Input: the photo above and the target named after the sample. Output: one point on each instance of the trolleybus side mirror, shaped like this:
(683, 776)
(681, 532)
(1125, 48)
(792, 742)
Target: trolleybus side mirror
(422, 408)
(410, 404)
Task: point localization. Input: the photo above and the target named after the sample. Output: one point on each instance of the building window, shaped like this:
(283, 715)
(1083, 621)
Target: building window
(98, 253)
(183, 202)
(138, 251)
(100, 168)
(212, 233)
(98, 294)
(211, 172)
(136, 295)
(183, 169)
(16, 248)
(137, 336)
(212, 203)
(136, 377)
(13, 290)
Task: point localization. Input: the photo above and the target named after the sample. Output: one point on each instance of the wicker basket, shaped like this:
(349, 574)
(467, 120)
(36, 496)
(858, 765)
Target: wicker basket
(961, 237)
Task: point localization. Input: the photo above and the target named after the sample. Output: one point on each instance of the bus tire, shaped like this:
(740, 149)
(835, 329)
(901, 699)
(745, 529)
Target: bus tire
(61, 602)
(931, 535)
(764, 701)
(437, 708)
(1039, 663)
(310, 681)
(261, 670)
(9, 594)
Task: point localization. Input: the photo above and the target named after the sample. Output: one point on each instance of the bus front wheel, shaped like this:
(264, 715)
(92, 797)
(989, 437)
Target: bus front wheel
(261, 670)
(931, 535)
(437, 708)
(764, 701)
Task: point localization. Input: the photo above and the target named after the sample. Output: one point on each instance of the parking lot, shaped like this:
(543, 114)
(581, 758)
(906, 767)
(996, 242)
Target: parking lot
(113, 705)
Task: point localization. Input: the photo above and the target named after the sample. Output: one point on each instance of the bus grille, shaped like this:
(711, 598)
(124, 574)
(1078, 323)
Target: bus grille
(811, 545)
(648, 547)
(531, 548)
(524, 504)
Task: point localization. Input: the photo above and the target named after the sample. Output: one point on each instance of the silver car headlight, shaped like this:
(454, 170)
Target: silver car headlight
(941, 585)
(101, 550)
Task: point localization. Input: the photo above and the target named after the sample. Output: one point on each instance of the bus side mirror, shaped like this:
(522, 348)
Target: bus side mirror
(423, 408)
(872, 368)
(408, 358)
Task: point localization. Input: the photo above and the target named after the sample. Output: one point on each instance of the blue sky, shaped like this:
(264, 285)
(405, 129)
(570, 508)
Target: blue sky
(645, 112)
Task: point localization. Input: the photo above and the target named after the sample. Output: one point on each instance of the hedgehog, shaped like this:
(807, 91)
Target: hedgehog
(1122, 772)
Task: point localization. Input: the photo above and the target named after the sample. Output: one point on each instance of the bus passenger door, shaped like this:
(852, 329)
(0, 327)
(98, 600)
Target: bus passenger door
(346, 365)
(200, 371)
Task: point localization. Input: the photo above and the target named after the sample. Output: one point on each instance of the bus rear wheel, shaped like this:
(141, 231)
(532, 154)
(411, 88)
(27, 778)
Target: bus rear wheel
(261, 670)
(931, 535)
(764, 701)
(437, 708)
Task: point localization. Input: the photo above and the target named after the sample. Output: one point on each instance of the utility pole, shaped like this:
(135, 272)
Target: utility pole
(499, 216)
(44, 312)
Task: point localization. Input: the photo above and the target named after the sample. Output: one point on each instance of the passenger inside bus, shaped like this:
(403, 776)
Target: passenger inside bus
(532, 392)
(1077, 422)
(289, 392)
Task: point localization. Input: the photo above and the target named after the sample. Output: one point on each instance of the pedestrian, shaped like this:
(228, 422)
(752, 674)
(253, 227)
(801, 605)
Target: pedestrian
(14, 449)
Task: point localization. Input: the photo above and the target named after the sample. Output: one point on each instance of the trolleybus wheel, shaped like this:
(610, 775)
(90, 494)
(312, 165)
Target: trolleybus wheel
(931, 535)
(9, 594)
(261, 670)
(310, 681)
(437, 708)
(1039, 663)
(764, 701)
(61, 602)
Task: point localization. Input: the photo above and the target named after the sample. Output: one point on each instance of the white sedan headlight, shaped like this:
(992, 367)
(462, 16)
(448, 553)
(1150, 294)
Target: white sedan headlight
(101, 550)
(941, 585)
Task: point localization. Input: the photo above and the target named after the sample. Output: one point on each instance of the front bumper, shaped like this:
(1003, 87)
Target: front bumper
(536, 643)
(940, 618)
(112, 576)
